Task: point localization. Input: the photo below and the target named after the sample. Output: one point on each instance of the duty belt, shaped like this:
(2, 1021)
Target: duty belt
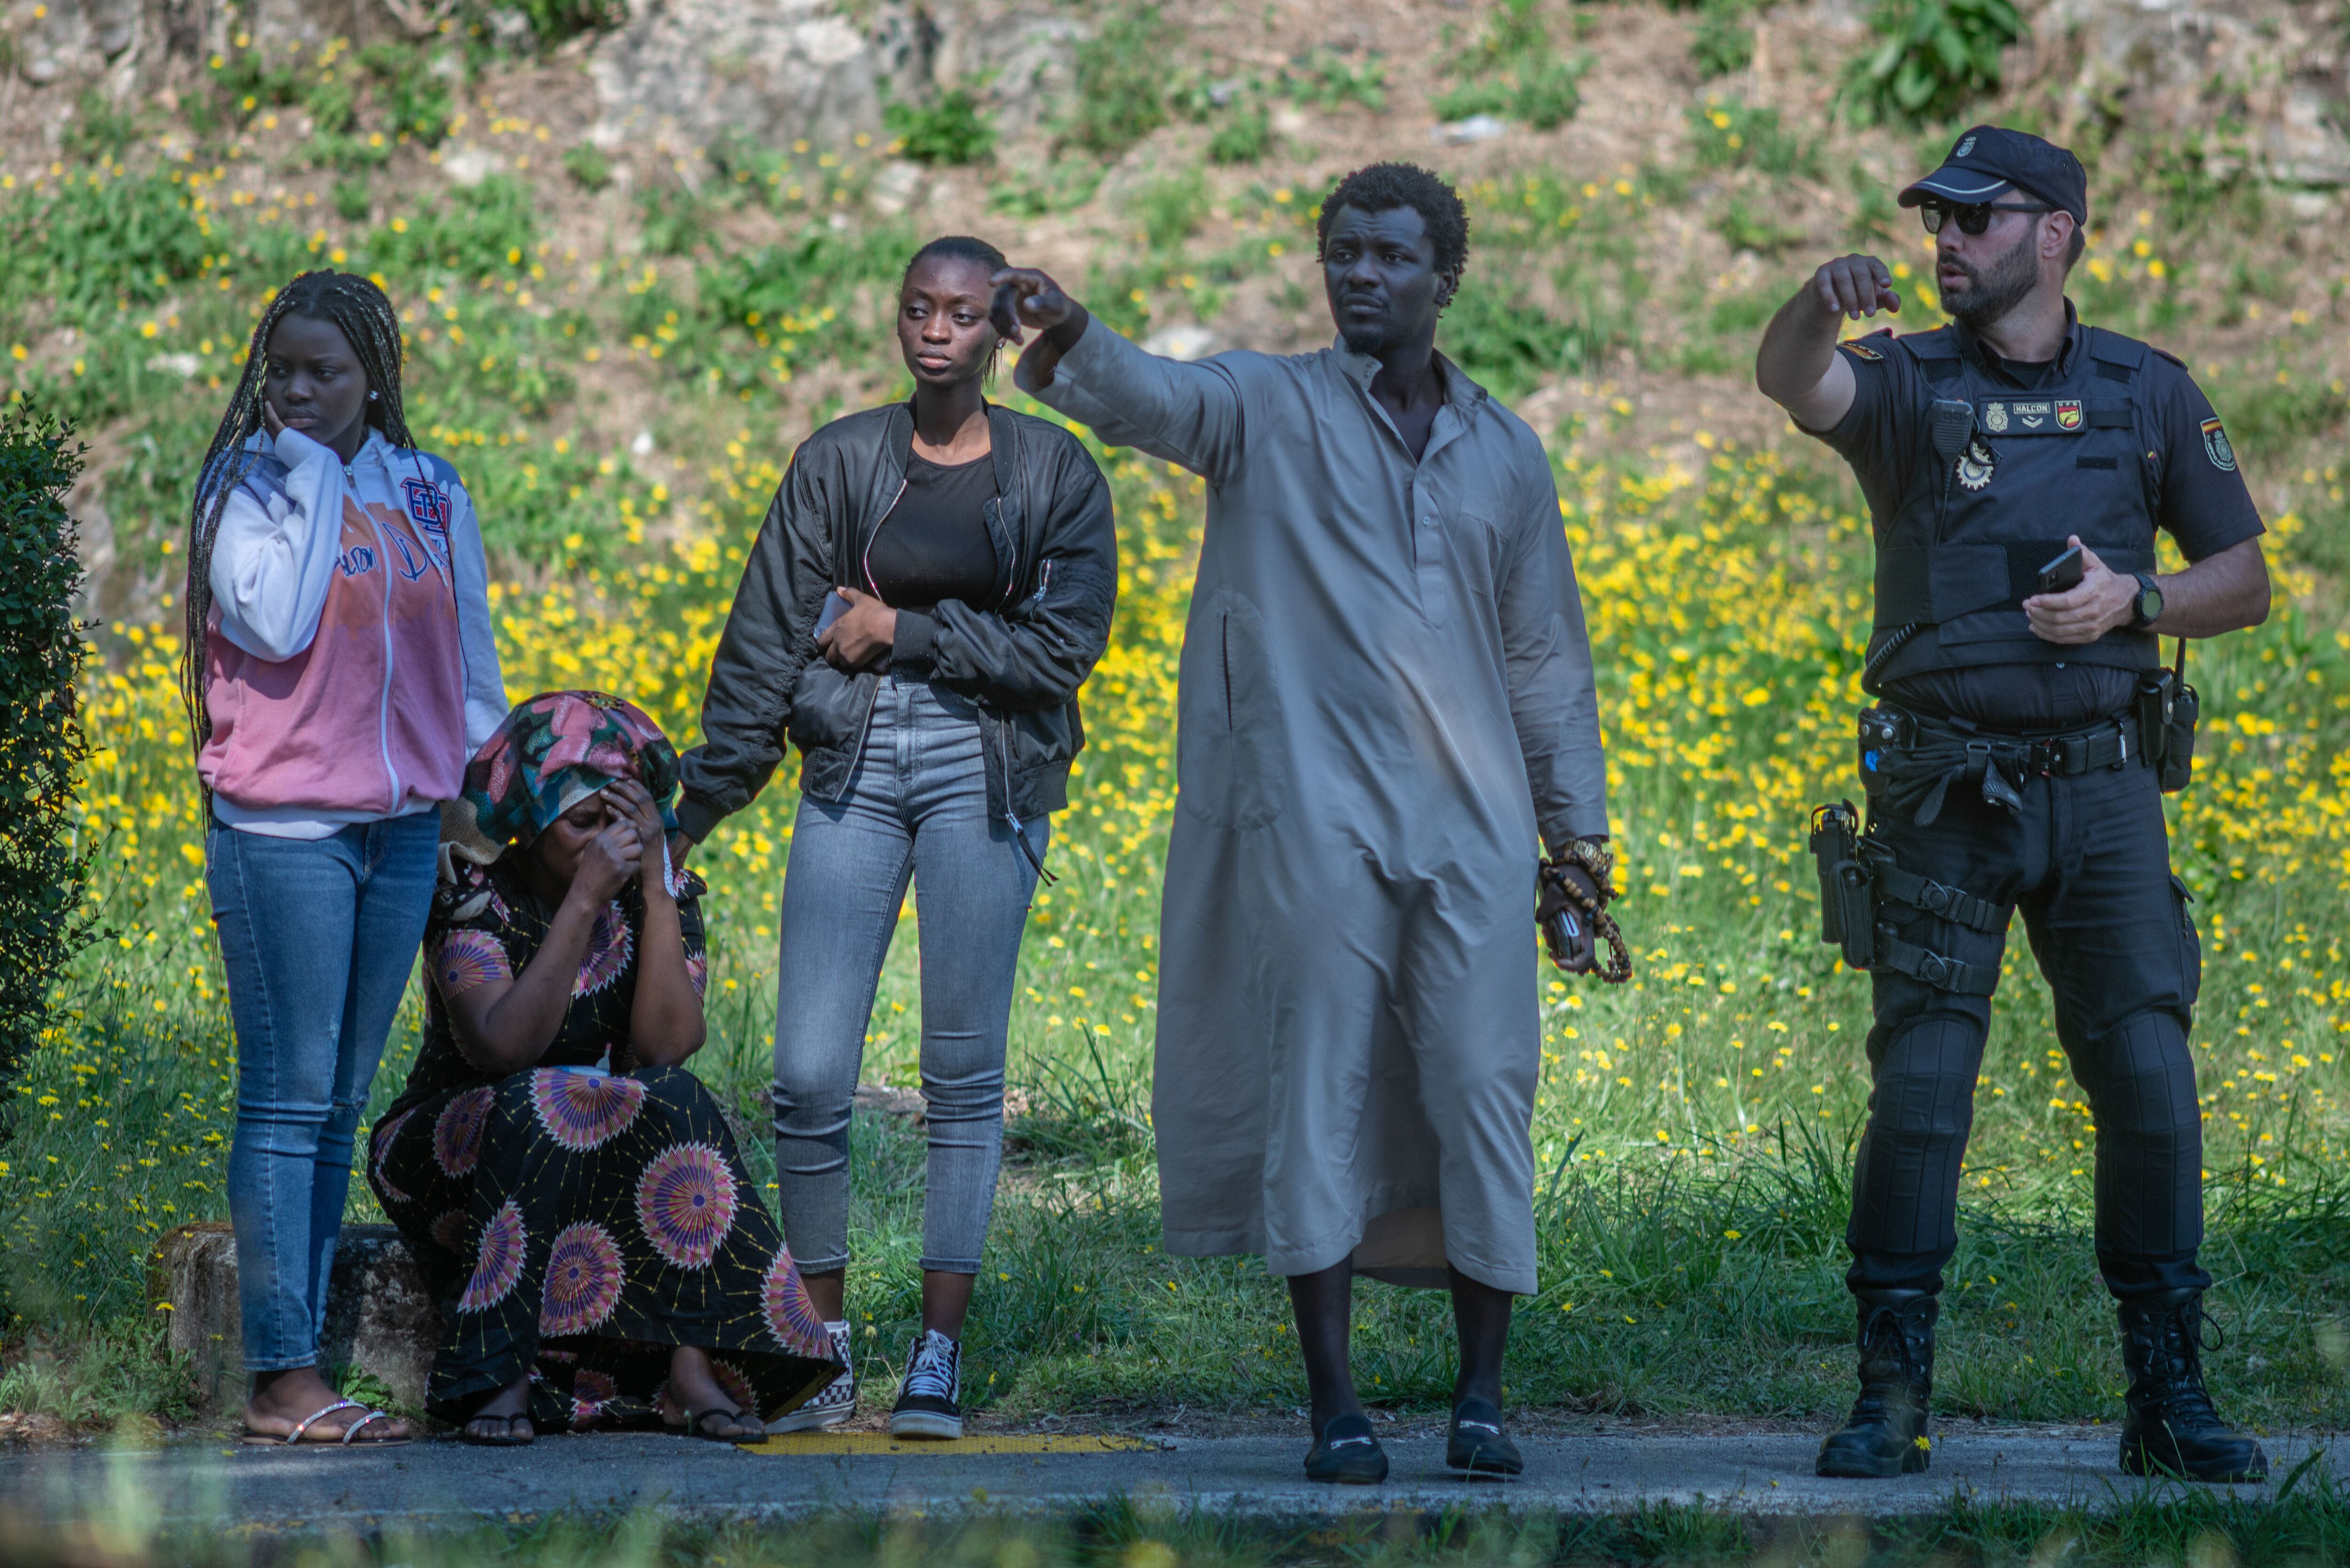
(1908, 761)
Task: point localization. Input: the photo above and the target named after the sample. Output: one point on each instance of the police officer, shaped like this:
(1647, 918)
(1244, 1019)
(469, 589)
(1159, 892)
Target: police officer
(2010, 759)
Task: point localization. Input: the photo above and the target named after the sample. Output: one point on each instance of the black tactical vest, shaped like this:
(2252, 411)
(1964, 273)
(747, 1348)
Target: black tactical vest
(1964, 548)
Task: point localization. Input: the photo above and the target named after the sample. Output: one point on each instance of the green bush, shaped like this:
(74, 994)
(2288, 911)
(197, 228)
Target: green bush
(553, 21)
(588, 166)
(1732, 135)
(413, 90)
(1935, 56)
(1324, 81)
(1244, 135)
(41, 651)
(1169, 208)
(950, 129)
(1121, 83)
(1515, 71)
(1723, 41)
(470, 231)
(97, 131)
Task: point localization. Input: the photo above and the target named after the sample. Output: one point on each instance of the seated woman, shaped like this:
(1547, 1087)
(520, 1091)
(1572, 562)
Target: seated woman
(570, 1190)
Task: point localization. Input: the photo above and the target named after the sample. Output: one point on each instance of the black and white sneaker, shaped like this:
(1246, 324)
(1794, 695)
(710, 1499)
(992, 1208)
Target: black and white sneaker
(929, 1399)
(835, 1402)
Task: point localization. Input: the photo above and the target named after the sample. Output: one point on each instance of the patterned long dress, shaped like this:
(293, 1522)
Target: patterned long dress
(579, 1218)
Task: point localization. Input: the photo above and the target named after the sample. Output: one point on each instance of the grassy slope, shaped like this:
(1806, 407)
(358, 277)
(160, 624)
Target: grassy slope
(1693, 1129)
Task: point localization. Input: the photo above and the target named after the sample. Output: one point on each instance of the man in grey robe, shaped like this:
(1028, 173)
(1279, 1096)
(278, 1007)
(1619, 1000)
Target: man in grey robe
(1386, 693)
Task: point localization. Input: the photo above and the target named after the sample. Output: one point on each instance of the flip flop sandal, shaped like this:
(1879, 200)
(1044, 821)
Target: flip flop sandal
(350, 1439)
(693, 1427)
(508, 1439)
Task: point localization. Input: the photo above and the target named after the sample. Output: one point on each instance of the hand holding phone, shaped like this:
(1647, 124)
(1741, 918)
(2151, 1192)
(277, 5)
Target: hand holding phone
(832, 604)
(2062, 574)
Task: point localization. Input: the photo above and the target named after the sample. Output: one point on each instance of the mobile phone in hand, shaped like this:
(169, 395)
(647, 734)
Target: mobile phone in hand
(832, 604)
(2062, 574)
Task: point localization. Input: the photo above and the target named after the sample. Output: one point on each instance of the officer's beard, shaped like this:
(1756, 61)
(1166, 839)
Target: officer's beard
(1993, 291)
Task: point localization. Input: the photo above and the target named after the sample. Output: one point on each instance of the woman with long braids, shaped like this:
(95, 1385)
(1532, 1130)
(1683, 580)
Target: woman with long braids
(340, 670)
(930, 587)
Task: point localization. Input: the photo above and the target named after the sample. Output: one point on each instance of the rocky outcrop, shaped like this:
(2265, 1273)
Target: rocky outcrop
(379, 1316)
(2179, 69)
(122, 41)
(683, 73)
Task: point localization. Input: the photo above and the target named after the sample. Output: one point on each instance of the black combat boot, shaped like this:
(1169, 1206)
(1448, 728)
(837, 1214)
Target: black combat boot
(1886, 1433)
(2172, 1429)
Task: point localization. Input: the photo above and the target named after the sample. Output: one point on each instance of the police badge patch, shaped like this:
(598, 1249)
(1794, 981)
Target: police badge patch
(1995, 418)
(2215, 447)
(1975, 464)
(2068, 413)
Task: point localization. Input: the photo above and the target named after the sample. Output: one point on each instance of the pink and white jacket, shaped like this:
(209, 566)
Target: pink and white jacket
(352, 668)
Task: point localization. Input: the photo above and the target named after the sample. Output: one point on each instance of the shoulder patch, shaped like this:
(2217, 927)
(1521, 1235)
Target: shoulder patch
(2215, 447)
(1860, 350)
(2169, 356)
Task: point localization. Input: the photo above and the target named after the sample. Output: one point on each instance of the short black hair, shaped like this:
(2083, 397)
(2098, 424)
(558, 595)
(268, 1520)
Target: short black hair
(959, 247)
(1384, 187)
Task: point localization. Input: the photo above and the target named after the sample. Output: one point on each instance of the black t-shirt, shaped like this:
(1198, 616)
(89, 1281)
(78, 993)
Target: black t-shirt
(2204, 505)
(934, 545)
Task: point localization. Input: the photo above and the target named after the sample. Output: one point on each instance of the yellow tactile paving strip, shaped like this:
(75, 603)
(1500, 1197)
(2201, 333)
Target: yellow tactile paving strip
(819, 1443)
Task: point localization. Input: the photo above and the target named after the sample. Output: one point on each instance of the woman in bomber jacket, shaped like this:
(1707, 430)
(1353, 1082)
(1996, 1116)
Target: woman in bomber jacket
(932, 583)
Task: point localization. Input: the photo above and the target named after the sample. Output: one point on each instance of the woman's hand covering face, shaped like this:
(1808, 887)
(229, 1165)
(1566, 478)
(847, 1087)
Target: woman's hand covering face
(631, 803)
(610, 860)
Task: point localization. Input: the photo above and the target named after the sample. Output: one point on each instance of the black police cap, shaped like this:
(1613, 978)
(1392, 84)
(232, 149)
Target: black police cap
(1989, 158)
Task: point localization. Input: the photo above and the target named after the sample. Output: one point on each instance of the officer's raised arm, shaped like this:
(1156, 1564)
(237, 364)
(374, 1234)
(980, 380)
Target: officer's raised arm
(1798, 367)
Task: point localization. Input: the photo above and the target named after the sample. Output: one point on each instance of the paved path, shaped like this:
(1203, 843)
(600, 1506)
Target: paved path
(441, 1481)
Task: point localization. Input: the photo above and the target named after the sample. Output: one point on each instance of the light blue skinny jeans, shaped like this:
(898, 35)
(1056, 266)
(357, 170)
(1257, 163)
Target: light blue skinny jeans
(916, 807)
(318, 937)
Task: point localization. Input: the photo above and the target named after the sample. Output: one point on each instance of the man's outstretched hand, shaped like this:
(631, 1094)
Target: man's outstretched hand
(1027, 298)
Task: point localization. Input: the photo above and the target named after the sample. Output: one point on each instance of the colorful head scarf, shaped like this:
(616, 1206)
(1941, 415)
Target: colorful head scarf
(553, 751)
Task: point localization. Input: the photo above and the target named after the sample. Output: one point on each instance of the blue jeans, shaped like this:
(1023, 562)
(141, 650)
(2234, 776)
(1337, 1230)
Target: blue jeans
(318, 937)
(916, 806)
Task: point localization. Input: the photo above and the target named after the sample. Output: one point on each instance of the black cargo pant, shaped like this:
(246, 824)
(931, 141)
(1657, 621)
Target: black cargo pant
(2088, 862)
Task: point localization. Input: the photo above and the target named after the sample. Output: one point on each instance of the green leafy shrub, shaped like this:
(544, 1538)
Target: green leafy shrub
(1121, 74)
(553, 21)
(413, 90)
(588, 166)
(353, 199)
(41, 746)
(1515, 71)
(1244, 135)
(1747, 227)
(1732, 135)
(1039, 191)
(1935, 54)
(1723, 41)
(97, 131)
(1322, 79)
(1169, 208)
(950, 129)
(471, 231)
(671, 218)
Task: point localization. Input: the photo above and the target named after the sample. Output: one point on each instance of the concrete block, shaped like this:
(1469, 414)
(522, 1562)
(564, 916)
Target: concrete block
(379, 1314)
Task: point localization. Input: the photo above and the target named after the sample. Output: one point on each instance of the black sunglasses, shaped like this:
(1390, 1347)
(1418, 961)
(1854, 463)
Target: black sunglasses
(1973, 219)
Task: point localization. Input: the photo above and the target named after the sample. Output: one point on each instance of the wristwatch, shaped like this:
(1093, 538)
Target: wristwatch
(2146, 609)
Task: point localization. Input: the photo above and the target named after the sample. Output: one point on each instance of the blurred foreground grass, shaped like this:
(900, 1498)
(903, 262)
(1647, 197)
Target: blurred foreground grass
(2309, 1528)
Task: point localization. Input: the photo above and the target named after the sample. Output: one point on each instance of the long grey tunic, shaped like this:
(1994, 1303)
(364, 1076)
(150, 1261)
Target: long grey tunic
(1385, 691)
